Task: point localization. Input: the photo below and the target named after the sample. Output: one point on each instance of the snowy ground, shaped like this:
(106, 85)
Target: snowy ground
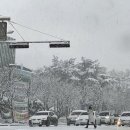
(62, 127)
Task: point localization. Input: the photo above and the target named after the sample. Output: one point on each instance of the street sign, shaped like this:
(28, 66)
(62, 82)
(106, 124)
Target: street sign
(19, 45)
(59, 45)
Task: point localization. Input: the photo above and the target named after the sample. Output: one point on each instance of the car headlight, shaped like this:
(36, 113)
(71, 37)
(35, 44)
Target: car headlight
(77, 119)
(44, 118)
(119, 122)
(107, 117)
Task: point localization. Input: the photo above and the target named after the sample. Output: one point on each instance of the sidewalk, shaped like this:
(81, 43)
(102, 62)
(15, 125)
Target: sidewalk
(12, 124)
(62, 121)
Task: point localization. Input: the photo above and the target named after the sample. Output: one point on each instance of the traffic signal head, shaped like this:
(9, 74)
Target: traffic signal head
(3, 30)
(19, 45)
(59, 45)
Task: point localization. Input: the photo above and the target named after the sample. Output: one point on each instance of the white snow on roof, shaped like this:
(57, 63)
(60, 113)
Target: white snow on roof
(126, 112)
(79, 111)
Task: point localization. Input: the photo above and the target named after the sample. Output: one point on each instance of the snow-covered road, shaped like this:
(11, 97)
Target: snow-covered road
(62, 127)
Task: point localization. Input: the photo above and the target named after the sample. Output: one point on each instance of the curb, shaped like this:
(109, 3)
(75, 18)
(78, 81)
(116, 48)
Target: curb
(12, 125)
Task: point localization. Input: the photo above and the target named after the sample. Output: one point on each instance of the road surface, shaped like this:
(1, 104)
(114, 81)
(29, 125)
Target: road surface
(63, 127)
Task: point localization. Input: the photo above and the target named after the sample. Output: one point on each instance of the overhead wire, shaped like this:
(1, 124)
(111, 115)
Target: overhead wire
(17, 31)
(37, 30)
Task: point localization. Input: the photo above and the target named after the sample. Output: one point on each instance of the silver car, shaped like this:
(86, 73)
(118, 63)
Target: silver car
(82, 119)
(106, 117)
(71, 119)
(124, 119)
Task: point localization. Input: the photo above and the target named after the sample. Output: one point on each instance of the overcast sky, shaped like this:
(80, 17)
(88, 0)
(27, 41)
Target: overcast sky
(97, 30)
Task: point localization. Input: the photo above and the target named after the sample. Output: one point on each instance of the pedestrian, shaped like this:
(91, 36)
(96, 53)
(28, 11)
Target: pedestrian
(91, 117)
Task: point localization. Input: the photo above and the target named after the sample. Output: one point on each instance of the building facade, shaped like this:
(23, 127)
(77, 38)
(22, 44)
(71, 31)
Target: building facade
(7, 55)
(19, 75)
(20, 103)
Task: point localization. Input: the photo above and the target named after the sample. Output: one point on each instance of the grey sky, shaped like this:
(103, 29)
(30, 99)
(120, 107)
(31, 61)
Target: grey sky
(97, 29)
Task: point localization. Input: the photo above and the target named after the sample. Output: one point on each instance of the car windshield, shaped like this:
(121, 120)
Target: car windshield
(104, 114)
(84, 113)
(116, 115)
(41, 113)
(75, 113)
(125, 114)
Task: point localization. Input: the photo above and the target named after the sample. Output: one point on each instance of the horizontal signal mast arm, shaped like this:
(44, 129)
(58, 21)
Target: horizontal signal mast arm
(35, 42)
(25, 44)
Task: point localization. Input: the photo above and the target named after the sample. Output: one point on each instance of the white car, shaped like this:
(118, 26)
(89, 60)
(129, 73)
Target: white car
(106, 117)
(124, 119)
(82, 119)
(71, 119)
(43, 118)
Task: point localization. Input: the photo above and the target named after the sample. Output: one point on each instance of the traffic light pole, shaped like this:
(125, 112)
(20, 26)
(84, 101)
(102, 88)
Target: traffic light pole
(25, 44)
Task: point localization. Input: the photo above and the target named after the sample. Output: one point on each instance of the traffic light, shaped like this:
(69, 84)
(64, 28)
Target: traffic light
(59, 45)
(19, 45)
(3, 30)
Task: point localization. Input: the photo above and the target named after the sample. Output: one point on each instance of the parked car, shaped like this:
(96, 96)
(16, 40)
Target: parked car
(43, 118)
(106, 117)
(71, 119)
(124, 119)
(98, 119)
(82, 119)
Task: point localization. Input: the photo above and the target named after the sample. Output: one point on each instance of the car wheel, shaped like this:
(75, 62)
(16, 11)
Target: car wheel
(56, 123)
(110, 123)
(68, 123)
(40, 125)
(48, 122)
(77, 124)
(114, 122)
(30, 124)
(100, 123)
